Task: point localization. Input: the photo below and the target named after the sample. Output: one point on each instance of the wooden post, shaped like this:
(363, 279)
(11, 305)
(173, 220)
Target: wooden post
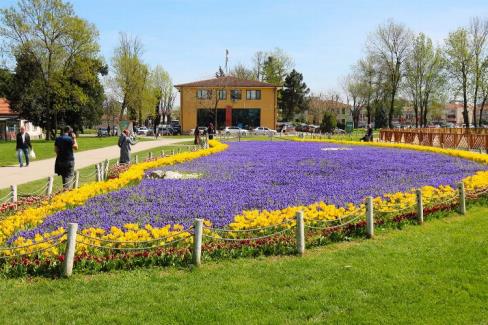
(162, 153)
(173, 152)
(105, 171)
(197, 242)
(50, 181)
(300, 233)
(69, 254)
(420, 206)
(462, 198)
(77, 178)
(137, 159)
(150, 155)
(99, 175)
(369, 217)
(13, 189)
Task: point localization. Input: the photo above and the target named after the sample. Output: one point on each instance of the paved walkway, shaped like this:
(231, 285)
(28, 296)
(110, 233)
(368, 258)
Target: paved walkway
(45, 168)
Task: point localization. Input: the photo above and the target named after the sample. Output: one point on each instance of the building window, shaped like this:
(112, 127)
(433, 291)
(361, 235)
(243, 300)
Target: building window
(204, 94)
(222, 94)
(343, 111)
(235, 94)
(253, 94)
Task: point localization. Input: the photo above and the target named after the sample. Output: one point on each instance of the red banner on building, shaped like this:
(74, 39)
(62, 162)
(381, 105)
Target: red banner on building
(228, 116)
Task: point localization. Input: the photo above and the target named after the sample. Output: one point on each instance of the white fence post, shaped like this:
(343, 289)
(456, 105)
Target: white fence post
(420, 206)
(137, 159)
(77, 178)
(105, 169)
(173, 152)
(300, 233)
(162, 153)
(99, 175)
(13, 189)
(69, 254)
(50, 181)
(369, 217)
(150, 155)
(462, 198)
(197, 242)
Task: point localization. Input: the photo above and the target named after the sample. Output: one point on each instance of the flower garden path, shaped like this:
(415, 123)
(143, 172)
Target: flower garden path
(44, 168)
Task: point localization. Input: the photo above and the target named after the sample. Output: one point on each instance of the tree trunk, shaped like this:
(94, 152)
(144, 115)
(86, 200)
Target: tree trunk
(392, 106)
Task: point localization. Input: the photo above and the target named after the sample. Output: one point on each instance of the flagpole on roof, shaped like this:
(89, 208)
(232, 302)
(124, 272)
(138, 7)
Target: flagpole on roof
(226, 60)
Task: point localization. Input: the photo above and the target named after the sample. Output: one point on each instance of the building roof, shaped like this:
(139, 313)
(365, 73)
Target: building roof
(227, 81)
(5, 108)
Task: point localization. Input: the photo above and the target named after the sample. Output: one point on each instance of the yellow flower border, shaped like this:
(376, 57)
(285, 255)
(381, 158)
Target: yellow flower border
(32, 217)
(316, 212)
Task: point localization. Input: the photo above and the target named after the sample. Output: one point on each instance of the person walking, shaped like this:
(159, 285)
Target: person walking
(65, 158)
(211, 131)
(196, 133)
(23, 146)
(125, 142)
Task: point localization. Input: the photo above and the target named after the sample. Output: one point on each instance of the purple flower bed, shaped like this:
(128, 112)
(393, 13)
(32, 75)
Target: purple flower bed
(265, 175)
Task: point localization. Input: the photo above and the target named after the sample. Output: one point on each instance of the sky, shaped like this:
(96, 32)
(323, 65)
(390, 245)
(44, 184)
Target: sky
(188, 38)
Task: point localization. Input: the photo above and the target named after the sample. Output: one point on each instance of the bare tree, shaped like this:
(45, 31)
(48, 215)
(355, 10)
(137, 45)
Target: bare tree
(478, 35)
(367, 72)
(241, 72)
(355, 91)
(389, 45)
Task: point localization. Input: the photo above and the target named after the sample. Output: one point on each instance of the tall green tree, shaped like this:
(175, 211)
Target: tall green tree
(329, 122)
(48, 36)
(459, 59)
(293, 96)
(478, 37)
(275, 67)
(131, 76)
(424, 79)
(5, 82)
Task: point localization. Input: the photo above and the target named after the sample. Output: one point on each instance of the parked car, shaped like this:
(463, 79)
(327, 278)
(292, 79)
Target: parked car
(102, 132)
(264, 131)
(142, 130)
(175, 125)
(165, 129)
(339, 131)
(235, 130)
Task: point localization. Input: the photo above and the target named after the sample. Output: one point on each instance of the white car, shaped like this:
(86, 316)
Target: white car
(235, 130)
(264, 131)
(142, 130)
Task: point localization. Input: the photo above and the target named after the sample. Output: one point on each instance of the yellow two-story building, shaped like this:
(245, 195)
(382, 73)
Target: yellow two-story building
(227, 101)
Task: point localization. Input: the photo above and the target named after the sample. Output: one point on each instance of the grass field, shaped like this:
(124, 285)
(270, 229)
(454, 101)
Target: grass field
(86, 174)
(45, 149)
(435, 273)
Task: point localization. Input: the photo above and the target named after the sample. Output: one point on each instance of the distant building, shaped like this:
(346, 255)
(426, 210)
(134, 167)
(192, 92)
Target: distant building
(236, 102)
(10, 123)
(318, 106)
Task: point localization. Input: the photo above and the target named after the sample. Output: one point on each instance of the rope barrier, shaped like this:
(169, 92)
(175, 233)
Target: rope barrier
(34, 193)
(34, 244)
(135, 242)
(244, 239)
(133, 248)
(433, 204)
(6, 197)
(334, 227)
(31, 253)
(249, 230)
(398, 210)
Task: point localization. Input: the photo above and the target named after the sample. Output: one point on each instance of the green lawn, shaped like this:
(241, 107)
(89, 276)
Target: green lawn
(45, 149)
(434, 274)
(86, 174)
